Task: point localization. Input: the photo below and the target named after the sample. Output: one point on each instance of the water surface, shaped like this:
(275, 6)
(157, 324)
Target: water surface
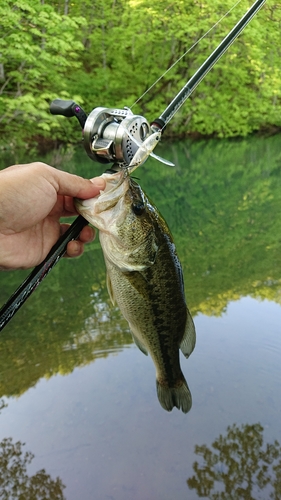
(79, 411)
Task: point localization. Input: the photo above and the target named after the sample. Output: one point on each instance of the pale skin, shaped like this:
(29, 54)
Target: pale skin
(33, 198)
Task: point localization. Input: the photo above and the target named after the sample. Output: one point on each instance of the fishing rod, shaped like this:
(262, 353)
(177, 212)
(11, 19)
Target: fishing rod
(116, 136)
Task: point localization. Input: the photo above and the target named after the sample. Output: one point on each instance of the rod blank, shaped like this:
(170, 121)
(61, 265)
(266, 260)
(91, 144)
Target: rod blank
(190, 86)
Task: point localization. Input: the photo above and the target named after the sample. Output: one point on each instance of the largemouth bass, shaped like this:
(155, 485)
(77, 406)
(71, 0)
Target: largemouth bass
(144, 278)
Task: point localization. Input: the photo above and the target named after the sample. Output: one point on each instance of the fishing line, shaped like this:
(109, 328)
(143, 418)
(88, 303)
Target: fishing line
(185, 53)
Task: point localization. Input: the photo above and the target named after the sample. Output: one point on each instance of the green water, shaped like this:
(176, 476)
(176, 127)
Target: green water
(79, 413)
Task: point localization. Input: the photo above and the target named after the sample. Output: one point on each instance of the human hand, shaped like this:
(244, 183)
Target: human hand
(33, 197)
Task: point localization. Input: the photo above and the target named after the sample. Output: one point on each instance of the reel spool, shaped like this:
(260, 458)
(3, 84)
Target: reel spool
(114, 135)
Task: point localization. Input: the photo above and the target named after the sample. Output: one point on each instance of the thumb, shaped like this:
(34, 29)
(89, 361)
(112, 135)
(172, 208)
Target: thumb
(73, 185)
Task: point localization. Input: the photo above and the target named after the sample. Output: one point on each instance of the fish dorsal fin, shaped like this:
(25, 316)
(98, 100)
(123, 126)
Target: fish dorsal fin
(189, 338)
(110, 289)
(139, 344)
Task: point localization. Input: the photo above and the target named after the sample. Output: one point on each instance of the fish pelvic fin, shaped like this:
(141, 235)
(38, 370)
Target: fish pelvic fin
(138, 343)
(110, 289)
(179, 395)
(189, 338)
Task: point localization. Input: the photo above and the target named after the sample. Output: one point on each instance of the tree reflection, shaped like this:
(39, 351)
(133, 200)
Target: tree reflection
(2, 405)
(58, 344)
(238, 466)
(226, 225)
(225, 219)
(15, 484)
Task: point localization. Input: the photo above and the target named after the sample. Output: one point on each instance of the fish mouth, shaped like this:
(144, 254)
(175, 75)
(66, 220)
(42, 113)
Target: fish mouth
(115, 187)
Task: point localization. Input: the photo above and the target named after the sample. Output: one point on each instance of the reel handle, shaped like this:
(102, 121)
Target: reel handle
(68, 109)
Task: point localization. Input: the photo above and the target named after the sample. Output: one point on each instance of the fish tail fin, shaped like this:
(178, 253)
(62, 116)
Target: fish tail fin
(179, 395)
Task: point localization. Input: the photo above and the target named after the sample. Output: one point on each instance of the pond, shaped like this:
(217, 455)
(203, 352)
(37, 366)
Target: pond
(80, 416)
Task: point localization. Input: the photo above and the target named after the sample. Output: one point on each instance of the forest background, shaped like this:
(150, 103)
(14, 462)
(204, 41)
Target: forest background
(108, 53)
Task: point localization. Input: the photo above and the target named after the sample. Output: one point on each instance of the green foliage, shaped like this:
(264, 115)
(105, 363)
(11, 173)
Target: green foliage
(109, 53)
(38, 47)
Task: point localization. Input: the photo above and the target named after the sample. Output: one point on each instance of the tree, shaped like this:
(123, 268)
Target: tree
(38, 47)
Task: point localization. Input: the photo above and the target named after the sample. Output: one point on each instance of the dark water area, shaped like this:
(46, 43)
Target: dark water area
(80, 416)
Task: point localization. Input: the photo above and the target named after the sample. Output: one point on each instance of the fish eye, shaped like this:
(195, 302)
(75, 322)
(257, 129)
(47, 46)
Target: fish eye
(138, 208)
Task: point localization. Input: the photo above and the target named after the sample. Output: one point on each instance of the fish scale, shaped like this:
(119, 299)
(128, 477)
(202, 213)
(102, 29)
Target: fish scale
(144, 278)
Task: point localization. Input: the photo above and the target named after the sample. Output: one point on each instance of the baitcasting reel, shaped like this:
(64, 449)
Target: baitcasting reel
(113, 135)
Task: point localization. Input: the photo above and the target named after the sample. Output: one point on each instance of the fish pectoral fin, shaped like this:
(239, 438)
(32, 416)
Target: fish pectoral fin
(189, 338)
(139, 281)
(110, 289)
(139, 344)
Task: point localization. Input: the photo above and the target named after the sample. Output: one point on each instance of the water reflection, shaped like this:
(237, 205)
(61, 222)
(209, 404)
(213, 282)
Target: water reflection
(50, 344)
(238, 466)
(14, 479)
(222, 203)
